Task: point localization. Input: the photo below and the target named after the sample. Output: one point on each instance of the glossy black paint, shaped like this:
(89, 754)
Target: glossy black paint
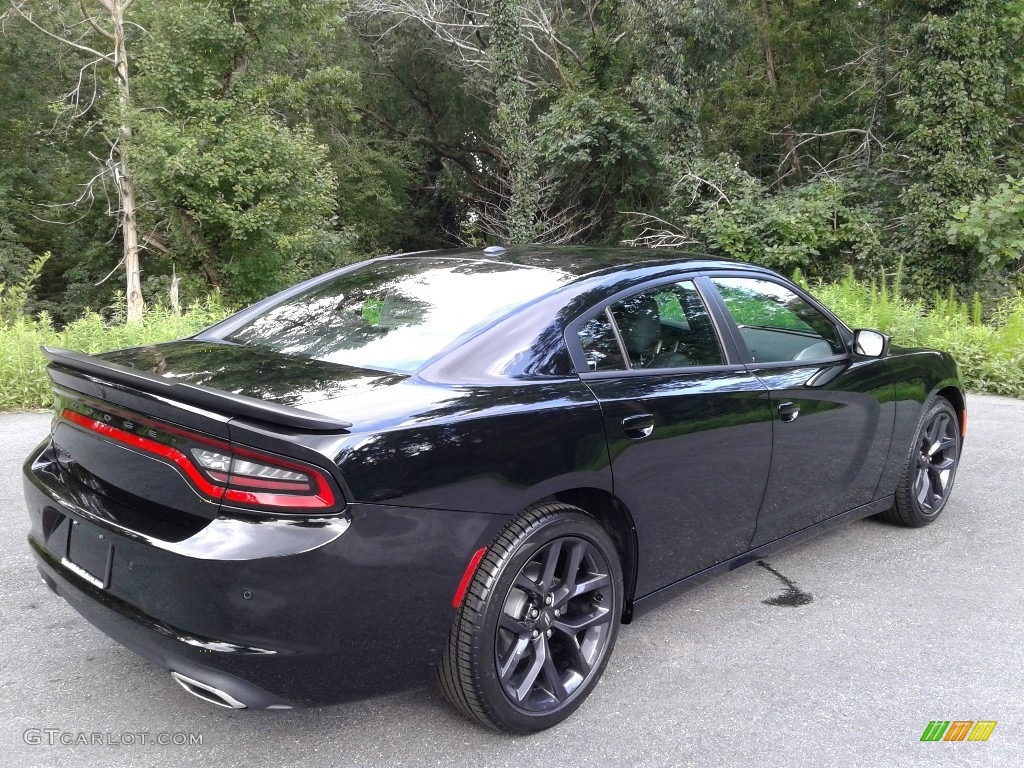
(693, 471)
(305, 611)
(696, 506)
(814, 475)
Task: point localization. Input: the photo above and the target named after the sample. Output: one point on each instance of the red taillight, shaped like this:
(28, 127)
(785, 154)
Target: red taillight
(224, 472)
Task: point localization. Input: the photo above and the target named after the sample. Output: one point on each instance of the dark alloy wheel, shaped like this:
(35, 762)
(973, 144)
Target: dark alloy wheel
(538, 622)
(927, 480)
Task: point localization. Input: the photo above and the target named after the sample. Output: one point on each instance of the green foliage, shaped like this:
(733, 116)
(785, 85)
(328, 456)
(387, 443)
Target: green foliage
(276, 139)
(511, 121)
(603, 147)
(821, 227)
(44, 160)
(994, 224)
(990, 354)
(786, 76)
(15, 258)
(23, 380)
(250, 192)
(249, 196)
(953, 110)
(14, 297)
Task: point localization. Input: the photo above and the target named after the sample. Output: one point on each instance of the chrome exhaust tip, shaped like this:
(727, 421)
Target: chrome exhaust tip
(207, 692)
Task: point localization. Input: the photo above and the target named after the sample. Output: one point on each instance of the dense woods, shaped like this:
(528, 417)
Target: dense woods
(243, 145)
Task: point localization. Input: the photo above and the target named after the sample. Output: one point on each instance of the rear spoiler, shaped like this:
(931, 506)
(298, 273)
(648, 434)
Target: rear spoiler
(204, 397)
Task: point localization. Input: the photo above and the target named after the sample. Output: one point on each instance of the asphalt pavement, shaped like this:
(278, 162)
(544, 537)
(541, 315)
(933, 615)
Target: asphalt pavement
(904, 627)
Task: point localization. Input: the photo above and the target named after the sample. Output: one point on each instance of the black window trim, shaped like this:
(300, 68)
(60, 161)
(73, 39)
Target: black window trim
(733, 355)
(845, 334)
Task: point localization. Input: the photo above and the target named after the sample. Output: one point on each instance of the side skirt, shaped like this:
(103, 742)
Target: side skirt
(656, 598)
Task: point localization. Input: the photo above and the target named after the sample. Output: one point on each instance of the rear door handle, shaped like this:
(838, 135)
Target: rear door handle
(788, 412)
(638, 427)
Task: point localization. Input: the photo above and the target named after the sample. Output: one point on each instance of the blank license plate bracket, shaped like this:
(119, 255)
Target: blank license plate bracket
(90, 555)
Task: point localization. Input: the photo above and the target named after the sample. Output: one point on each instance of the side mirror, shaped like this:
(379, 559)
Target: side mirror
(870, 343)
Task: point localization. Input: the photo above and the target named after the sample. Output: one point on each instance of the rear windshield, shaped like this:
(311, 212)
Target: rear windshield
(395, 314)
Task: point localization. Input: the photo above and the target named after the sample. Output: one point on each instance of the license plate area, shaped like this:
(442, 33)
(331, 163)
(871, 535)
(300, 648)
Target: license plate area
(90, 554)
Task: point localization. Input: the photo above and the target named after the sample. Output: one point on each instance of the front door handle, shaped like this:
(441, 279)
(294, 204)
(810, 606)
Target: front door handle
(788, 412)
(638, 427)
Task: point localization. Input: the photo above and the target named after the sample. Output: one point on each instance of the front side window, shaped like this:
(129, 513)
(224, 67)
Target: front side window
(663, 327)
(775, 323)
(395, 314)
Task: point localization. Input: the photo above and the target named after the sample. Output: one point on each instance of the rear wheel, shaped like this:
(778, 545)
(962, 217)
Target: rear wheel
(537, 623)
(927, 479)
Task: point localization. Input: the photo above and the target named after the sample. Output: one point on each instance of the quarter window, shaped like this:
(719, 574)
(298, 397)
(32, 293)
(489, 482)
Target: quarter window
(600, 347)
(775, 323)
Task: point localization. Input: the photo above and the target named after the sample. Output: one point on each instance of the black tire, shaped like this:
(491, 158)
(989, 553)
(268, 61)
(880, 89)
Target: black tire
(552, 651)
(927, 478)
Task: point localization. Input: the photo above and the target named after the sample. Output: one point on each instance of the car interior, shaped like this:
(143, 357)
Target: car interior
(653, 340)
(669, 327)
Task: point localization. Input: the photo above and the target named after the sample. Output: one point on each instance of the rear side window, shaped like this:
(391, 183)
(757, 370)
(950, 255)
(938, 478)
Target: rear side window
(664, 327)
(395, 314)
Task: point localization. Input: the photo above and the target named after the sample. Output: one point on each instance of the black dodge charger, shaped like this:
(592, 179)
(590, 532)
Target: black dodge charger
(476, 462)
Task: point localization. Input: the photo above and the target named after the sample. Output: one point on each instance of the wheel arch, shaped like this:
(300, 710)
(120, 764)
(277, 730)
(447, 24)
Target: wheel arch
(956, 398)
(616, 519)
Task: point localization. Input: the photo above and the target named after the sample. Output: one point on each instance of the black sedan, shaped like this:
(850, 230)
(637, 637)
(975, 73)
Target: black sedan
(476, 461)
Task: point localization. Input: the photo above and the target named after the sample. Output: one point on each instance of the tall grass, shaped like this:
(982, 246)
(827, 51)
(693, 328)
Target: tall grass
(23, 380)
(990, 351)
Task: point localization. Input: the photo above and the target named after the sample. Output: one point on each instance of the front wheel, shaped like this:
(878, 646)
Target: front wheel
(538, 622)
(927, 479)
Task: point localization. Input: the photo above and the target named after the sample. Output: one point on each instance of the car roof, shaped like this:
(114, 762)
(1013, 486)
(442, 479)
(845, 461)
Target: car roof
(581, 261)
(523, 342)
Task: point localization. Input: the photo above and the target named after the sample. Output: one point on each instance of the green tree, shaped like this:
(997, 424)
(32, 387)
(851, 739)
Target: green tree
(789, 100)
(236, 178)
(954, 112)
(511, 125)
(574, 111)
(104, 20)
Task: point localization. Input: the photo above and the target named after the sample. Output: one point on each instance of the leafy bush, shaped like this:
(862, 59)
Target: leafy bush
(14, 297)
(990, 352)
(820, 227)
(994, 224)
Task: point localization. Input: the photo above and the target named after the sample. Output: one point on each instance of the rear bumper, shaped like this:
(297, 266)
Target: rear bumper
(160, 644)
(273, 612)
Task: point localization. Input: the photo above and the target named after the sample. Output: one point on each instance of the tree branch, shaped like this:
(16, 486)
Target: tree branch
(28, 17)
(92, 22)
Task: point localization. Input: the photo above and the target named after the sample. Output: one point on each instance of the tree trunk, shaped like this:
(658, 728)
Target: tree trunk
(126, 183)
(788, 140)
(769, 50)
(511, 124)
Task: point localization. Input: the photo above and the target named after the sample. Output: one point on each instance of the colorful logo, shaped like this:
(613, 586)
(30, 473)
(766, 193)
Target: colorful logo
(958, 730)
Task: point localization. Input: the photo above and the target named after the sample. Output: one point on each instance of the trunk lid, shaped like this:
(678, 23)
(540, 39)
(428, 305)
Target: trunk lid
(134, 427)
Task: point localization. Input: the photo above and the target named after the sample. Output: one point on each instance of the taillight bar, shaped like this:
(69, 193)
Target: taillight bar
(233, 487)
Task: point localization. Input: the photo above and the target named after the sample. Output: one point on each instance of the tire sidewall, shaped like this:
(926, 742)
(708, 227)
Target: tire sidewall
(568, 524)
(939, 405)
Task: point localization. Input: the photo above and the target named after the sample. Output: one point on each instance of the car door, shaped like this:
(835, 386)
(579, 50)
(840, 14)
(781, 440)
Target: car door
(688, 427)
(832, 412)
